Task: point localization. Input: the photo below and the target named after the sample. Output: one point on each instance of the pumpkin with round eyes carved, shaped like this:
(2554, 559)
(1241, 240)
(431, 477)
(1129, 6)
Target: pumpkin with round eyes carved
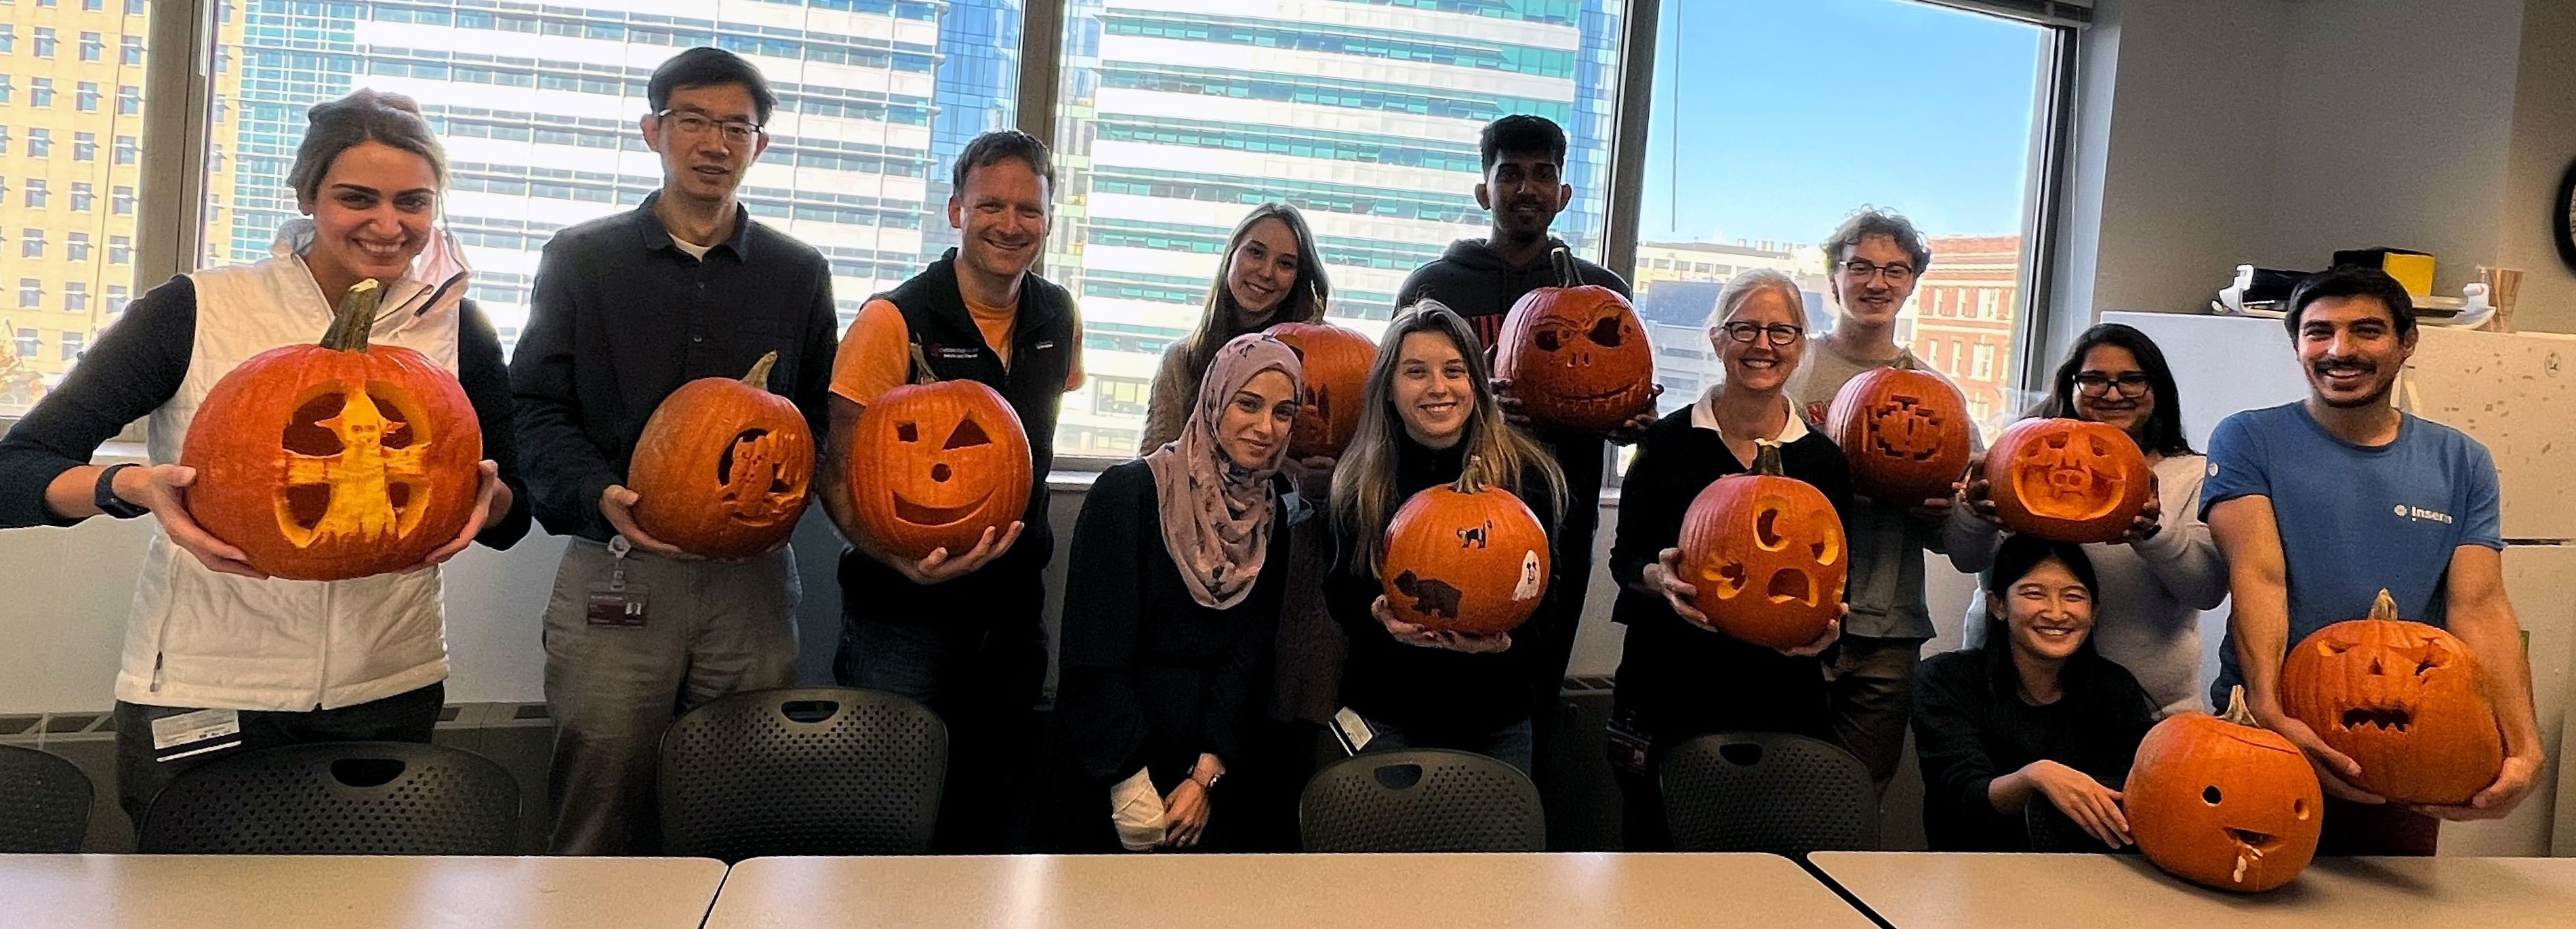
(1576, 355)
(2406, 700)
(2067, 480)
(1905, 433)
(1765, 554)
(1465, 557)
(2222, 802)
(935, 463)
(723, 467)
(1337, 363)
(339, 460)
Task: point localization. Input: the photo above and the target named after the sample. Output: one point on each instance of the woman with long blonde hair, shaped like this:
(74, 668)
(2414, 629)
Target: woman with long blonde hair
(1271, 274)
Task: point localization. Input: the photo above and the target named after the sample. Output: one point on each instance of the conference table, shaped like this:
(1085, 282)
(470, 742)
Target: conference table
(1923, 890)
(351, 892)
(1318, 891)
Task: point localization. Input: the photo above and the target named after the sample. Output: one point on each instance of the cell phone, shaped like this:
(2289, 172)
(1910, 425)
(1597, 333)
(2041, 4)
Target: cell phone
(1352, 731)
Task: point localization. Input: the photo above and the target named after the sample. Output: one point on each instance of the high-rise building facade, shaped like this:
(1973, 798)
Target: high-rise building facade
(1963, 310)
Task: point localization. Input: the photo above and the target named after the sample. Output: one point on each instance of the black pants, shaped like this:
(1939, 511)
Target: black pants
(404, 717)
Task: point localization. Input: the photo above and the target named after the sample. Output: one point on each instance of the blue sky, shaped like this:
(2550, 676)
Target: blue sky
(1792, 113)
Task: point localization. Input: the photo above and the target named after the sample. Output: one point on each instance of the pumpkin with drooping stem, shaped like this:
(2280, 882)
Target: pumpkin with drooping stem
(723, 467)
(935, 463)
(1576, 354)
(1465, 557)
(1765, 554)
(2407, 701)
(2223, 802)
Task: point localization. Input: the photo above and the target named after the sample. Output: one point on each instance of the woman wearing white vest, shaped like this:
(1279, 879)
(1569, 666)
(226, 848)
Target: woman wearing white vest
(218, 658)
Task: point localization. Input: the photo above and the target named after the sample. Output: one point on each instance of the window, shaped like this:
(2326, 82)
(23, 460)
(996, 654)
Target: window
(31, 293)
(135, 8)
(91, 47)
(76, 248)
(40, 143)
(31, 243)
(122, 201)
(75, 297)
(8, 38)
(129, 101)
(120, 250)
(93, 5)
(1121, 395)
(40, 92)
(4, 88)
(117, 299)
(130, 51)
(4, 140)
(73, 343)
(84, 146)
(37, 195)
(87, 97)
(83, 196)
(1985, 366)
(44, 42)
(30, 342)
(128, 151)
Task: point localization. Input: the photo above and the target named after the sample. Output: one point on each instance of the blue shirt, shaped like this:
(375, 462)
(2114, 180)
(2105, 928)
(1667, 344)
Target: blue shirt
(2355, 519)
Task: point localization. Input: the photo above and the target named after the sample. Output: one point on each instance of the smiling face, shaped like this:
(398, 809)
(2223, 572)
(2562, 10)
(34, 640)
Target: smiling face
(1261, 271)
(2111, 364)
(2223, 805)
(936, 465)
(705, 166)
(2350, 350)
(1001, 218)
(2049, 613)
(1874, 300)
(1525, 191)
(1758, 365)
(372, 217)
(1254, 427)
(1432, 393)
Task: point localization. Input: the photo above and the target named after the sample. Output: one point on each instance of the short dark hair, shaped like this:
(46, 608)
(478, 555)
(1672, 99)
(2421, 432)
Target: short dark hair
(365, 115)
(999, 145)
(1872, 221)
(1521, 134)
(707, 66)
(2353, 281)
(2164, 426)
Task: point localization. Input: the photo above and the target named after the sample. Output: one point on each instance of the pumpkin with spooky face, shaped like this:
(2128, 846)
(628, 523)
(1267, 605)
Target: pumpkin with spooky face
(1905, 433)
(723, 467)
(1765, 553)
(933, 465)
(1576, 356)
(1465, 557)
(2407, 701)
(339, 460)
(2223, 802)
(2067, 480)
(1337, 363)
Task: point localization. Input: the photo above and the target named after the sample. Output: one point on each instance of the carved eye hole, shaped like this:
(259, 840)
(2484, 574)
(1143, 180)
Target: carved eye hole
(1549, 340)
(907, 432)
(967, 435)
(2210, 795)
(1605, 333)
(305, 434)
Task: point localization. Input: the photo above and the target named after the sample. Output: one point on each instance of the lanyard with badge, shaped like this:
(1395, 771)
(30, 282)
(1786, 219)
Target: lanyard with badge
(617, 602)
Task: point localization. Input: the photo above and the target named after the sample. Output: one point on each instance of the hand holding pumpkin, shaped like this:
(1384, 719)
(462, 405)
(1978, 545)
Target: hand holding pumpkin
(2150, 519)
(618, 504)
(1824, 640)
(1514, 412)
(940, 566)
(1628, 433)
(1978, 494)
(488, 497)
(162, 489)
(1426, 637)
(2520, 774)
(1665, 577)
(2336, 771)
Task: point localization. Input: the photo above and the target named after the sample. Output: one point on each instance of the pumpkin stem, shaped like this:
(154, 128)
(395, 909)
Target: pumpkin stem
(356, 316)
(921, 373)
(2385, 607)
(1567, 275)
(1766, 457)
(1473, 478)
(2237, 711)
(759, 376)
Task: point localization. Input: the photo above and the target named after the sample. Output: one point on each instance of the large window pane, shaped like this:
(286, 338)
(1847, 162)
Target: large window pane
(1179, 116)
(50, 145)
(1814, 109)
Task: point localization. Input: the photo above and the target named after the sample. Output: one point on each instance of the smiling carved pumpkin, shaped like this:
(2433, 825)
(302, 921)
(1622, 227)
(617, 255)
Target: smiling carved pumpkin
(2223, 802)
(1765, 553)
(934, 464)
(1465, 557)
(2407, 701)
(1576, 356)
(1905, 433)
(723, 467)
(2067, 480)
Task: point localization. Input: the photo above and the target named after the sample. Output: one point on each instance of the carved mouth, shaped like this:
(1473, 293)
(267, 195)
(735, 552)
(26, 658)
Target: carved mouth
(919, 515)
(2396, 718)
(2250, 846)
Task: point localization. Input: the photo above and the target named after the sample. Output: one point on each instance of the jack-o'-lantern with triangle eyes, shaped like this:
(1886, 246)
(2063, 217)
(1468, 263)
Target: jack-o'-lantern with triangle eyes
(935, 463)
(723, 467)
(338, 460)
(2406, 701)
(2067, 480)
(1765, 553)
(2223, 802)
(1576, 356)
(1905, 433)
(1337, 363)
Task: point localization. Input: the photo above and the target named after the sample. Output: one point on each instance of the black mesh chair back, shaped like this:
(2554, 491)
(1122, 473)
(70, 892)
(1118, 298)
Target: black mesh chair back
(338, 798)
(1421, 800)
(1768, 792)
(44, 802)
(803, 771)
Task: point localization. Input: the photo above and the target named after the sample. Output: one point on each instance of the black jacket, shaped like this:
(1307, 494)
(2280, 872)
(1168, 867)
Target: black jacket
(1971, 726)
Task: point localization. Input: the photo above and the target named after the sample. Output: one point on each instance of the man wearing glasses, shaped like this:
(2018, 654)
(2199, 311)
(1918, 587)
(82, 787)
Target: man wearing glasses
(627, 308)
(1876, 257)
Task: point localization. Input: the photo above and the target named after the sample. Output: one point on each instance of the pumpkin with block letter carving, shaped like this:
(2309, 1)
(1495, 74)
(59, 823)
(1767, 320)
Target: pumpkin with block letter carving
(1905, 433)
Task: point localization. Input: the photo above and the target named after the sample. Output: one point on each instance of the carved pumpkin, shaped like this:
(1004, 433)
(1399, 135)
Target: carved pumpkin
(1766, 554)
(339, 460)
(935, 463)
(1576, 355)
(1465, 557)
(1905, 433)
(2223, 802)
(1337, 363)
(2407, 701)
(2067, 480)
(723, 467)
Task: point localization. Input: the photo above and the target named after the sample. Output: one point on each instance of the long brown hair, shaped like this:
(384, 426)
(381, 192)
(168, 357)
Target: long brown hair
(1365, 495)
(1222, 318)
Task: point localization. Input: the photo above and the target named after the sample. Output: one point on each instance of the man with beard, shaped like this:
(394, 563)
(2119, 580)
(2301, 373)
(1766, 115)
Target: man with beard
(2321, 504)
(960, 631)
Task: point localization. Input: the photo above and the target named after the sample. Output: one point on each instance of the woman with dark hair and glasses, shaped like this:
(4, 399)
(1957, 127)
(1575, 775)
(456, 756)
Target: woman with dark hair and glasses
(2156, 581)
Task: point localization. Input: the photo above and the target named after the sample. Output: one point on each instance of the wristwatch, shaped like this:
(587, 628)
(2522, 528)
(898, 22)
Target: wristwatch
(107, 500)
(1210, 783)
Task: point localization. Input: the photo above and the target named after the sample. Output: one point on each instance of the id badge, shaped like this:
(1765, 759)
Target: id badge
(616, 605)
(196, 733)
(1352, 731)
(1628, 743)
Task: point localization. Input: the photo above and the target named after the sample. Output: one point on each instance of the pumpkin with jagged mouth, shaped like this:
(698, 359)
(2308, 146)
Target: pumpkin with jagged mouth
(2405, 700)
(935, 463)
(1765, 554)
(1576, 355)
(2223, 802)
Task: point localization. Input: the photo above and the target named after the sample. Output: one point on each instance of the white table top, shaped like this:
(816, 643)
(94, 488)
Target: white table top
(1921, 890)
(1590, 891)
(332, 892)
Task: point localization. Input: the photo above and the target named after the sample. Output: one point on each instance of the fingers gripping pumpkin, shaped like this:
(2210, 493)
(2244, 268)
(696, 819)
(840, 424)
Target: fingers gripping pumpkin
(1904, 432)
(339, 460)
(1337, 363)
(1465, 557)
(1576, 355)
(2067, 480)
(2223, 802)
(1766, 555)
(2406, 700)
(935, 463)
(723, 467)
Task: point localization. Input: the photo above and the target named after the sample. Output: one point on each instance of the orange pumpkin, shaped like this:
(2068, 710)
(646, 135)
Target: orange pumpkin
(2067, 480)
(1337, 363)
(1905, 433)
(723, 467)
(1766, 555)
(339, 460)
(1465, 557)
(935, 463)
(1576, 355)
(2407, 701)
(2223, 802)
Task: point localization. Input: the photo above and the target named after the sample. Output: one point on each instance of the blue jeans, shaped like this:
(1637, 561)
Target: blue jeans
(1511, 744)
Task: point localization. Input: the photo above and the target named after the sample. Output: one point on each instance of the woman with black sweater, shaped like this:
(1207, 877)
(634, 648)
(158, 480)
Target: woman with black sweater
(1679, 677)
(1429, 407)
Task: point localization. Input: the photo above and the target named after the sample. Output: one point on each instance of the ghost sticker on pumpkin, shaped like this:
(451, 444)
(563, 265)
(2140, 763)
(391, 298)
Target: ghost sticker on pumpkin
(1533, 577)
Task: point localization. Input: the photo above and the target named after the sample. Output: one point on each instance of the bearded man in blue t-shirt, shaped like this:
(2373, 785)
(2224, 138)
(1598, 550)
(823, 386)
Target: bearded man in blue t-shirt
(2319, 505)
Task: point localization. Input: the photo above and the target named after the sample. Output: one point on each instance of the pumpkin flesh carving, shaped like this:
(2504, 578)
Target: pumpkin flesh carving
(1765, 555)
(2067, 480)
(1337, 363)
(1465, 557)
(2405, 700)
(1576, 355)
(1905, 433)
(724, 466)
(2222, 802)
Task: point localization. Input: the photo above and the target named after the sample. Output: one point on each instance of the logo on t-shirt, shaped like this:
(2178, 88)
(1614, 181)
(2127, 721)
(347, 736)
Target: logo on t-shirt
(2420, 514)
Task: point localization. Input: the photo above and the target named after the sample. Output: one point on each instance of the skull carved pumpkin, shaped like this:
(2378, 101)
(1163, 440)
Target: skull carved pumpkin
(2407, 701)
(1766, 555)
(935, 463)
(1576, 355)
(2067, 480)
(1905, 433)
(339, 460)
(1465, 557)
(1337, 363)
(723, 467)
(2223, 802)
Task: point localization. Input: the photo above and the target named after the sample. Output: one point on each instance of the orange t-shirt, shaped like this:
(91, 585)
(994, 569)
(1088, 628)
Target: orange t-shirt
(876, 354)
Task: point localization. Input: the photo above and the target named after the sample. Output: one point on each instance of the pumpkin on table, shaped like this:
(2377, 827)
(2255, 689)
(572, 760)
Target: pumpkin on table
(1575, 354)
(1765, 553)
(1337, 363)
(2406, 701)
(338, 460)
(2223, 802)
(935, 463)
(1905, 433)
(2067, 480)
(1465, 557)
(723, 467)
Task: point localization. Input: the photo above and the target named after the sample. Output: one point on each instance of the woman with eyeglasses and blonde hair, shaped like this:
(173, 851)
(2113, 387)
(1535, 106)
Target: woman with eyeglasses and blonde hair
(1271, 273)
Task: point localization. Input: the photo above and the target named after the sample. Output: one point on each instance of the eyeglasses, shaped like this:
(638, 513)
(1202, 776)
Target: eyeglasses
(1861, 269)
(2131, 384)
(1778, 333)
(694, 124)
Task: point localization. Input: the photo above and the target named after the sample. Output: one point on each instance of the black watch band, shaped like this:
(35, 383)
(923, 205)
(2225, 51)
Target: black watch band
(105, 494)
